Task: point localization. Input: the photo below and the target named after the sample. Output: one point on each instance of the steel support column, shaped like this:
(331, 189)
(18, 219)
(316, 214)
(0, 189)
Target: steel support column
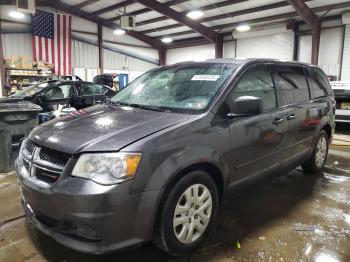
(2, 67)
(100, 48)
(316, 35)
(219, 47)
(162, 55)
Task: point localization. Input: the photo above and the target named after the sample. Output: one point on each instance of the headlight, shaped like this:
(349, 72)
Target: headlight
(107, 168)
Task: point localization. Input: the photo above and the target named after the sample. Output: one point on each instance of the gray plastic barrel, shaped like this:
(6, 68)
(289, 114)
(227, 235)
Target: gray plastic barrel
(16, 121)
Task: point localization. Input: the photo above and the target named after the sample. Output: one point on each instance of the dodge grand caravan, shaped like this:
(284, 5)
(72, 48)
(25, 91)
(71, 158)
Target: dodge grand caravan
(155, 162)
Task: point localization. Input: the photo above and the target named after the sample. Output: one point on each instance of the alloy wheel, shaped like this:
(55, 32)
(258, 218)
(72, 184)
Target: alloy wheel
(321, 152)
(192, 213)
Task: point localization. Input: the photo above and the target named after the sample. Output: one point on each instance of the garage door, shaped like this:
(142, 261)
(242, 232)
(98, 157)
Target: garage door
(278, 46)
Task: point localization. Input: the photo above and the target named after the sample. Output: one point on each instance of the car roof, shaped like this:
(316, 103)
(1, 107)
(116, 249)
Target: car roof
(68, 81)
(241, 61)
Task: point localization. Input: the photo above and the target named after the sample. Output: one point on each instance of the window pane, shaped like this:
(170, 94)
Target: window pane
(318, 83)
(58, 92)
(292, 83)
(87, 89)
(256, 82)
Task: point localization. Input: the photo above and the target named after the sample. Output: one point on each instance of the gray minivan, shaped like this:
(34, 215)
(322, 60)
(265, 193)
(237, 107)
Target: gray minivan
(155, 162)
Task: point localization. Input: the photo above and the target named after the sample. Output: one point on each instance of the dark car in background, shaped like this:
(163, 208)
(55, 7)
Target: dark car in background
(155, 162)
(49, 95)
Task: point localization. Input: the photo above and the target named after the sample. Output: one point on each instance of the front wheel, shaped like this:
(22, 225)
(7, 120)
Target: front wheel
(319, 155)
(187, 213)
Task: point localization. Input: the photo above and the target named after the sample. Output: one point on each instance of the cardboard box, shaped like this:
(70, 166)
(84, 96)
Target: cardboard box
(27, 62)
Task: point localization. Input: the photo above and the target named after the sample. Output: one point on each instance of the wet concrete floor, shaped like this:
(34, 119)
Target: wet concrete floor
(294, 218)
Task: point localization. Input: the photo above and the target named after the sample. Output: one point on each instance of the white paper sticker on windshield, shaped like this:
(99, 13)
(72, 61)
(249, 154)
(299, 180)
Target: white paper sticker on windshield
(205, 77)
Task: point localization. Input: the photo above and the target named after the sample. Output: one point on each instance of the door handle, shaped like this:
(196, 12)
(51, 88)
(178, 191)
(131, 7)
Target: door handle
(291, 117)
(278, 121)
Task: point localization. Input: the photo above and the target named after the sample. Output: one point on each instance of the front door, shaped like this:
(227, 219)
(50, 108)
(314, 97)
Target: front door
(55, 97)
(88, 94)
(256, 141)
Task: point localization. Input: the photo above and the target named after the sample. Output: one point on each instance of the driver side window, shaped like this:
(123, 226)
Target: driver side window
(58, 92)
(256, 82)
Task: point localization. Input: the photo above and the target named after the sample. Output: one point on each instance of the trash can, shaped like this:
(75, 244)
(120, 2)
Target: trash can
(16, 121)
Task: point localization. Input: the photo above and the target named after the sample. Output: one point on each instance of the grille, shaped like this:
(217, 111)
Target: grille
(30, 146)
(54, 156)
(46, 176)
(26, 165)
(48, 163)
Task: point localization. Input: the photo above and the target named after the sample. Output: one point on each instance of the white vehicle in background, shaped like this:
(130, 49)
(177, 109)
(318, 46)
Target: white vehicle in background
(342, 96)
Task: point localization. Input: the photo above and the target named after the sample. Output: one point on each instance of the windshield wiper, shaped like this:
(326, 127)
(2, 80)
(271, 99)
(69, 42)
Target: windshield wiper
(153, 108)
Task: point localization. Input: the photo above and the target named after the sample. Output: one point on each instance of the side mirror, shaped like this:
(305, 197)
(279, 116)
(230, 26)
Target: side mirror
(246, 106)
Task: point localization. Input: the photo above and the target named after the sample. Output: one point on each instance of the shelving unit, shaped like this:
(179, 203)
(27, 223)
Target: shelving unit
(19, 77)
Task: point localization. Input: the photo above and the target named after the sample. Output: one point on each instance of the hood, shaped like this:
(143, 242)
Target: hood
(102, 128)
(10, 99)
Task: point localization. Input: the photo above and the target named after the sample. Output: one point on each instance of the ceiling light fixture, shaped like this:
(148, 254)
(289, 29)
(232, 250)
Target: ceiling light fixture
(119, 31)
(243, 28)
(167, 40)
(195, 14)
(16, 15)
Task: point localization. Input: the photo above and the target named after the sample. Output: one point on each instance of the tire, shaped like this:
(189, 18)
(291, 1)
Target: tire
(179, 214)
(316, 162)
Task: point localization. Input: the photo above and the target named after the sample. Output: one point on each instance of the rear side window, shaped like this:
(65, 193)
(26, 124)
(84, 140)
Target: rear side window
(292, 84)
(318, 83)
(87, 89)
(256, 82)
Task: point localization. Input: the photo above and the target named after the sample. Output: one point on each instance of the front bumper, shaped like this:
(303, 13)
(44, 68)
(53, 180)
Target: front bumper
(342, 116)
(88, 217)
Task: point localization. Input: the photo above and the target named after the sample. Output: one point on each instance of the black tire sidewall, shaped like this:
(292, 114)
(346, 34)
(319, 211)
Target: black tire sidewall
(168, 238)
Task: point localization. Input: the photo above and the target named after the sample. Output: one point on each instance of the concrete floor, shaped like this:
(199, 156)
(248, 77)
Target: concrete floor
(294, 218)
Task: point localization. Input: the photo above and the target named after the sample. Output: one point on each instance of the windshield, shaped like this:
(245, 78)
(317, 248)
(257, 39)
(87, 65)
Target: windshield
(30, 90)
(185, 87)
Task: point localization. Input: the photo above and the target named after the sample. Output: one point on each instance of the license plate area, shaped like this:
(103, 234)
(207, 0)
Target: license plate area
(345, 105)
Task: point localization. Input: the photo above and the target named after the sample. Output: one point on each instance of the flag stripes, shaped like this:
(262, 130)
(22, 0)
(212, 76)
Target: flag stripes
(52, 40)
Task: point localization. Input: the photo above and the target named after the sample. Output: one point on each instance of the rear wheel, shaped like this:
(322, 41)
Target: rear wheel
(319, 155)
(187, 213)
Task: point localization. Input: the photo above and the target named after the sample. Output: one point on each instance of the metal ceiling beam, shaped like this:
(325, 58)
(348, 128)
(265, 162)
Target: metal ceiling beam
(155, 43)
(221, 16)
(85, 3)
(188, 42)
(144, 10)
(267, 18)
(110, 8)
(203, 8)
(314, 21)
(208, 33)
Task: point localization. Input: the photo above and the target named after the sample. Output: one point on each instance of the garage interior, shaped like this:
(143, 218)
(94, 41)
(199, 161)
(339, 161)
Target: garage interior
(293, 218)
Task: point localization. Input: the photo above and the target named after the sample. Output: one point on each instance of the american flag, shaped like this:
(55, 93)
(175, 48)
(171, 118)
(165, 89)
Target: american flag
(52, 40)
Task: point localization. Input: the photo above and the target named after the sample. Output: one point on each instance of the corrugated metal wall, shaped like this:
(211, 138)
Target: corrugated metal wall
(193, 53)
(114, 60)
(304, 48)
(84, 55)
(17, 44)
(345, 73)
(331, 44)
(229, 49)
(279, 46)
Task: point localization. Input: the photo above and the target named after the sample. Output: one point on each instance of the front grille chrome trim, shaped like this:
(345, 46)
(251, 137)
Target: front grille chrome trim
(39, 168)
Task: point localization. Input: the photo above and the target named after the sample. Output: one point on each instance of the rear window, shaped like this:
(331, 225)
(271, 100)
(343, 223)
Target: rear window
(319, 86)
(292, 84)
